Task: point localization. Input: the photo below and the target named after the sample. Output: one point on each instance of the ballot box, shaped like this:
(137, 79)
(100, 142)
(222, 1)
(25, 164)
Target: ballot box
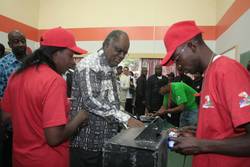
(137, 147)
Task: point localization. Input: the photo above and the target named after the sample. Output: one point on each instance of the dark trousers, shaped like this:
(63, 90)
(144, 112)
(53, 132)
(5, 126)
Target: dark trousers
(139, 108)
(82, 158)
(1, 146)
(7, 149)
(129, 105)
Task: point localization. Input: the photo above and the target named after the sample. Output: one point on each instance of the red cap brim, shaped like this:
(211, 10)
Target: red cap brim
(78, 50)
(166, 60)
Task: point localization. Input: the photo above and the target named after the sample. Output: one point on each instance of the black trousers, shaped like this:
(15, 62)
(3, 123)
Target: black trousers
(1, 146)
(139, 108)
(82, 158)
(5, 143)
(6, 148)
(129, 105)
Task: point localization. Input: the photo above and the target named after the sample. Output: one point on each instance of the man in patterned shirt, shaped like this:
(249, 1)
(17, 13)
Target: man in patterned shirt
(95, 90)
(8, 64)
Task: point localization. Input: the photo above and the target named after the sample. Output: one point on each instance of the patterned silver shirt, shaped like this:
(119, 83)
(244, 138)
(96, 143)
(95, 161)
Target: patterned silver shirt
(95, 91)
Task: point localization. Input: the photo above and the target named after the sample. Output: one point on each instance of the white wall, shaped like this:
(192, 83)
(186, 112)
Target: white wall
(137, 46)
(238, 34)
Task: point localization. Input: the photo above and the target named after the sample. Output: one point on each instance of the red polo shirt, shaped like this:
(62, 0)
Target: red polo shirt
(36, 99)
(225, 105)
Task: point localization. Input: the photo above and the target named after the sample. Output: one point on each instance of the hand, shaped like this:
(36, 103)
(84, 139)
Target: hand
(173, 130)
(84, 117)
(157, 114)
(187, 145)
(149, 114)
(187, 131)
(134, 123)
(162, 110)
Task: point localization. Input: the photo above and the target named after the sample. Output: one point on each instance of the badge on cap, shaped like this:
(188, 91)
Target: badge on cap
(245, 101)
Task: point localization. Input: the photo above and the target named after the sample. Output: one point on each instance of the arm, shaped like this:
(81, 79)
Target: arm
(90, 84)
(5, 117)
(235, 146)
(176, 109)
(5, 106)
(58, 134)
(134, 82)
(181, 99)
(148, 93)
(3, 80)
(139, 88)
(56, 127)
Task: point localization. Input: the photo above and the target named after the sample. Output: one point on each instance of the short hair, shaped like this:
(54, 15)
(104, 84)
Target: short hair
(198, 38)
(171, 74)
(126, 67)
(2, 49)
(119, 67)
(114, 35)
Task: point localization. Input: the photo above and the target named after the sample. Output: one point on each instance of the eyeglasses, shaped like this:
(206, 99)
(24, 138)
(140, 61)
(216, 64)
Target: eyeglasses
(176, 56)
(17, 41)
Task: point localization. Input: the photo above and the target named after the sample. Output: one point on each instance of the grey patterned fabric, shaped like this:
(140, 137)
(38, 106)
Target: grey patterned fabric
(95, 91)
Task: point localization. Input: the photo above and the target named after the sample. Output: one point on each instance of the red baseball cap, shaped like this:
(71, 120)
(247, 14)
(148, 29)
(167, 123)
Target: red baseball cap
(176, 35)
(60, 37)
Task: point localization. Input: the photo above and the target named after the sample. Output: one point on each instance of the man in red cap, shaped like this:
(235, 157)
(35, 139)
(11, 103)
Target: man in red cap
(222, 137)
(36, 102)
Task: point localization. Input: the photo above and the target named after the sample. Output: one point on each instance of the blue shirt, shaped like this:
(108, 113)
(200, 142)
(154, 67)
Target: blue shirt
(8, 65)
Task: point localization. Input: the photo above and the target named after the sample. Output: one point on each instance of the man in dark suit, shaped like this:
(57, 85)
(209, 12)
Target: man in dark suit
(153, 98)
(140, 99)
(248, 66)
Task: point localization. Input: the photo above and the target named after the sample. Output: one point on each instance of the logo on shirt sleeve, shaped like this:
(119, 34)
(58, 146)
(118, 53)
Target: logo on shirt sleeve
(208, 102)
(245, 101)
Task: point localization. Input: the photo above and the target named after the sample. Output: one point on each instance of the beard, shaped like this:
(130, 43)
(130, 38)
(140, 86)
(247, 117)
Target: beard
(19, 51)
(193, 66)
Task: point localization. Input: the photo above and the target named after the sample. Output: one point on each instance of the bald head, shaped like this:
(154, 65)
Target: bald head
(158, 70)
(144, 71)
(115, 47)
(17, 43)
(15, 33)
(165, 89)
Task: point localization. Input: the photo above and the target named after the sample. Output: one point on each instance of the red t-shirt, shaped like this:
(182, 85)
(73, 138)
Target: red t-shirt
(36, 99)
(225, 105)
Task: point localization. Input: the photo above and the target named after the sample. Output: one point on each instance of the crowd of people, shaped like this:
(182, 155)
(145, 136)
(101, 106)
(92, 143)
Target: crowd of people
(47, 121)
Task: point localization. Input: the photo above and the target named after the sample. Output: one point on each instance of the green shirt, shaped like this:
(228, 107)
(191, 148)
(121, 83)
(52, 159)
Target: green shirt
(181, 94)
